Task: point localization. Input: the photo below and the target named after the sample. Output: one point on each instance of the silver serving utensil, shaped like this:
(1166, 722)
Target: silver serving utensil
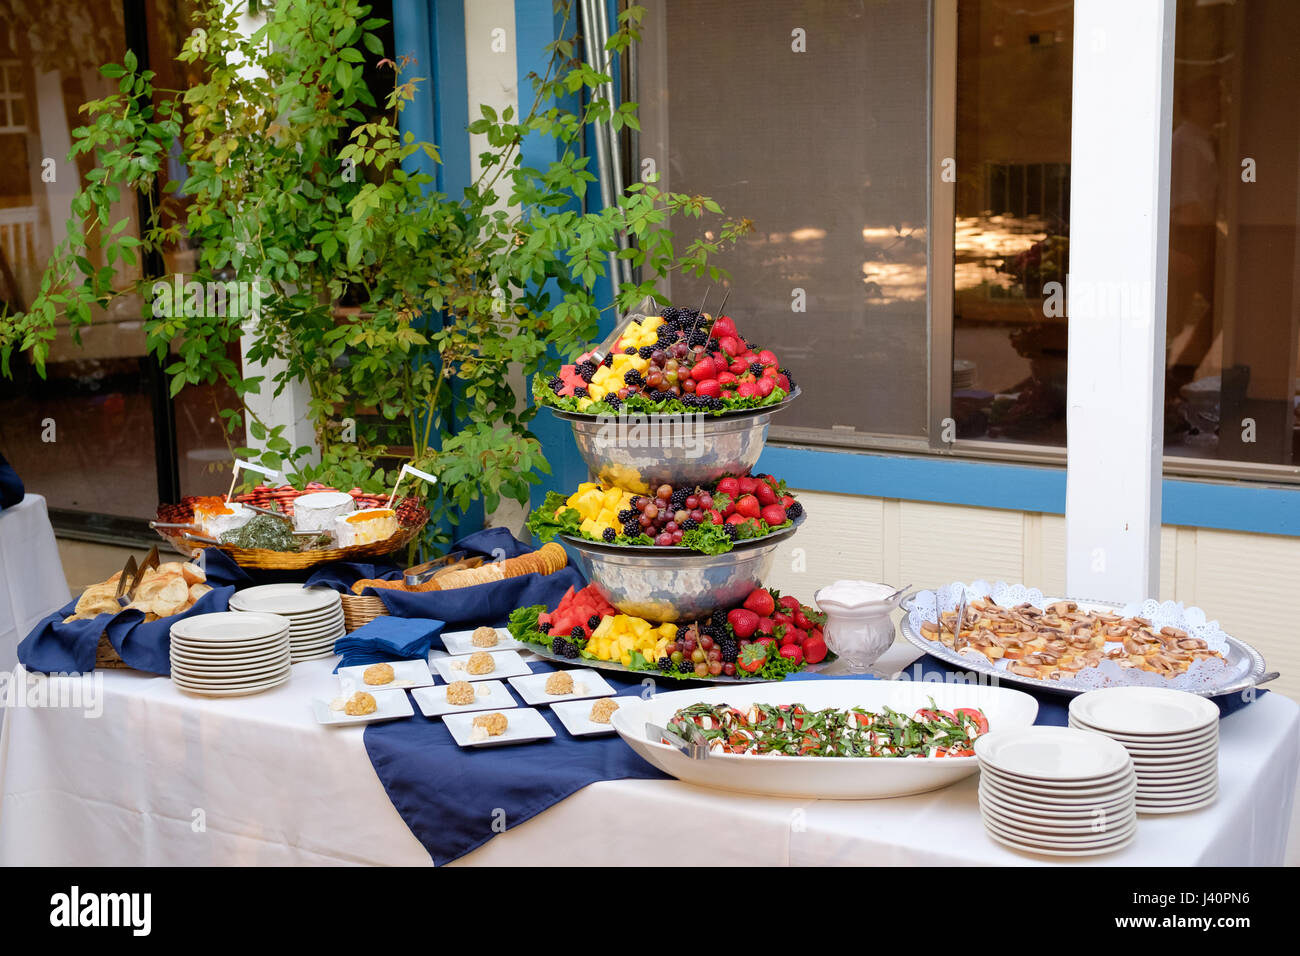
(201, 538)
(126, 580)
(959, 642)
(268, 511)
(173, 524)
(1265, 678)
(420, 573)
(905, 587)
(692, 749)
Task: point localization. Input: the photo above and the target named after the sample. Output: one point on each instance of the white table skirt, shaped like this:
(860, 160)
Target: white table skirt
(31, 575)
(160, 778)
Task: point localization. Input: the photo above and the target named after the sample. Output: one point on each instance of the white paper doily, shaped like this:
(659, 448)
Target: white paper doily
(1201, 677)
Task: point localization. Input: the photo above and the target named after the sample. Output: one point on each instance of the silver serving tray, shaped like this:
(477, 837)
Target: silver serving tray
(546, 654)
(708, 416)
(1239, 653)
(601, 547)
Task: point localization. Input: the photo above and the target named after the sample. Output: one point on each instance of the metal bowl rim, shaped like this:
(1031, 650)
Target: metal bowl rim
(748, 544)
(732, 415)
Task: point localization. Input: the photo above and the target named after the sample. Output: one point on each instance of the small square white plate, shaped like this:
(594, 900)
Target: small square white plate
(525, 724)
(508, 664)
(462, 642)
(405, 674)
(492, 695)
(586, 683)
(389, 705)
(576, 717)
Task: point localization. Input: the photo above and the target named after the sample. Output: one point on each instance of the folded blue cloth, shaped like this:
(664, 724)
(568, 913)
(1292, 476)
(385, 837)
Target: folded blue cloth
(57, 648)
(456, 799)
(387, 639)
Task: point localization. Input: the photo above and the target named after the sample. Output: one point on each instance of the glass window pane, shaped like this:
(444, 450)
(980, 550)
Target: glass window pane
(1233, 319)
(1014, 64)
(826, 151)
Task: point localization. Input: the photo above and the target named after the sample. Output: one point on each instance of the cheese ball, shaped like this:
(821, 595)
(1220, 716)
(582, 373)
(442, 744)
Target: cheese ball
(378, 674)
(360, 704)
(559, 683)
(460, 692)
(603, 709)
(480, 662)
(494, 724)
(485, 637)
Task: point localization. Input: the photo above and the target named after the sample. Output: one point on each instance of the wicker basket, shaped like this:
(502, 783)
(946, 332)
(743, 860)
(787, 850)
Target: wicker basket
(106, 657)
(359, 609)
(268, 560)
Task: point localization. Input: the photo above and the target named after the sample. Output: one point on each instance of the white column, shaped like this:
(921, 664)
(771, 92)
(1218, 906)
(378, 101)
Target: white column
(1119, 223)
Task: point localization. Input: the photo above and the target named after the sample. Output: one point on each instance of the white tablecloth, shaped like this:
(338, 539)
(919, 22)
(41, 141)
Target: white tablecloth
(31, 574)
(161, 778)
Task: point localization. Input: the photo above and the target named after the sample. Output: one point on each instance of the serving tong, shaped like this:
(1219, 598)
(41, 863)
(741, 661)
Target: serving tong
(696, 747)
(420, 573)
(135, 572)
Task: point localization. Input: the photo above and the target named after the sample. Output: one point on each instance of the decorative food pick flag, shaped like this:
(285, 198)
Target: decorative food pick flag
(409, 470)
(249, 466)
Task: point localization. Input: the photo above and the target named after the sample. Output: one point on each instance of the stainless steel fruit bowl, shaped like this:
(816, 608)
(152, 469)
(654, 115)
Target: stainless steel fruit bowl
(672, 584)
(640, 452)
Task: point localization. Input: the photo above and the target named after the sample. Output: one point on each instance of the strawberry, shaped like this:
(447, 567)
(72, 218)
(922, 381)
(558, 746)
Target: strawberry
(782, 382)
(738, 366)
(787, 501)
(752, 658)
(760, 601)
(734, 518)
(782, 619)
(715, 516)
(789, 601)
(703, 370)
(723, 327)
(768, 358)
(743, 621)
(814, 648)
(801, 619)
(747, 484)
(794, 652)
(730, 345)
(765, 494)
(747, 390)
(729, 487)
(775, 515)
(767, 641)
(794, 635)
(709, 388)
(766, 625)
(748, 506)
(765, 387)
(726, 378)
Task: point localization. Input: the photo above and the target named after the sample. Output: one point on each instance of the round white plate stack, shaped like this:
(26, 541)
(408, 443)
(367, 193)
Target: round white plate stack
(1056, 791)
(230, 654)
(1172, 736)
(315, 615)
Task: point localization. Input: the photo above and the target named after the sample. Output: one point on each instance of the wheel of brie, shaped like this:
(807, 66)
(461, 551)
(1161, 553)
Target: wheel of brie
(318, 510)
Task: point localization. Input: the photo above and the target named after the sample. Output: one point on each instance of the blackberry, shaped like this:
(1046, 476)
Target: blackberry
(749, 345)
(633, 502)
(646, 351)
(559, 645)
(679, 497)
(593, 622)
(585, 370)
(718, 617)
(627, 514)
(556, 384)
(756, 368)
(684, 666)
(614, 403)
(570, 651)
(794, 511)
(730, 650)
(665, 664)
(690, 524)
(633, 377)
(579, 392)
(632, 528)
(629, 351)
(577, 631)
(609, 534)
(713, 345)
(667, 337)
(699, 337)
(789, 377)
(733, 530)
(608, 360)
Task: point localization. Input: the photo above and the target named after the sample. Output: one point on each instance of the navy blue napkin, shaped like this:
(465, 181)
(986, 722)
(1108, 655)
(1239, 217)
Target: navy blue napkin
(387, 639)
(57, 648)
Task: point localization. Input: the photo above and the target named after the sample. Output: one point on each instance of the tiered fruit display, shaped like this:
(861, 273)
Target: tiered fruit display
(708, 519)
(678, 361)
(764, 638)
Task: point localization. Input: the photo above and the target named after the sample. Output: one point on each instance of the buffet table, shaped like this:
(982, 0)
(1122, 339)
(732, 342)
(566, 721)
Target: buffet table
(159, 778)
(31, 574)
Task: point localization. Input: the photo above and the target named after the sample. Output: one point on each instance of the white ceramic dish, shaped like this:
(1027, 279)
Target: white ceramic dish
(267, 669)
(1060, 841)
(1029, 848)
(1148, 808)
(432, 701)
(576, 717)
(461, 642)
(1108, 800)
(1065, 816)
(405, 674)
(1057, 754)
(1145, 712)
(525, 724)
(229, 627)
(508, 664)
(586, 683)
(232, 691)
(286, 599)
(820, 777)
(181, 655)
(389, 705)
(1152, 744)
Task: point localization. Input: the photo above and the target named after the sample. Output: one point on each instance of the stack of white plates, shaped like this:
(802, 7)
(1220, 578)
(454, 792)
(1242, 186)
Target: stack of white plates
(230, 654)
(1172, 736)
(1057, 791)
(315, 615)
